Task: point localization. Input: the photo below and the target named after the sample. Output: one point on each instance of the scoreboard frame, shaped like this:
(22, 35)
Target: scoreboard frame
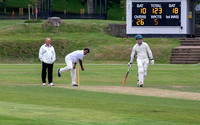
(184, 26)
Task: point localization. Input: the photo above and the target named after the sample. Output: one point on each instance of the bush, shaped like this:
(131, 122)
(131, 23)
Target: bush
(33, 21)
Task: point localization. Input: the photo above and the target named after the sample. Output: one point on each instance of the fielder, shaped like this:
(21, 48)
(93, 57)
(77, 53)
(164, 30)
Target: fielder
(141, 49)
(71, 60)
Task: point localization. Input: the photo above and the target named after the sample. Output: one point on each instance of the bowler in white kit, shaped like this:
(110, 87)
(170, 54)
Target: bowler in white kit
(71, 60)
(141, 49)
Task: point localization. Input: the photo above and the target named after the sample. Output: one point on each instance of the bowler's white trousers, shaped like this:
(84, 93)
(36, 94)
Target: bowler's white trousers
(70, 66)
(142, 69)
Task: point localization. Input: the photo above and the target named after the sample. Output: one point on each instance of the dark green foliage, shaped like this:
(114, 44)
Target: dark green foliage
(33, 21)
(3, 4)
(115, 11)
(83, 2)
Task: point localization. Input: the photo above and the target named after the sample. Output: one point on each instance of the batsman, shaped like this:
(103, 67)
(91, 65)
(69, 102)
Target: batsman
(141, 49)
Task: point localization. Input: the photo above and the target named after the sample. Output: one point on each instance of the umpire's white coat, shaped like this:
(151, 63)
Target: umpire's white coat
(47, 54)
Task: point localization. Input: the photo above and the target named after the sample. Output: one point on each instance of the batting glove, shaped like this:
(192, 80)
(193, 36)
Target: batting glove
(152, 62)
(129, 64)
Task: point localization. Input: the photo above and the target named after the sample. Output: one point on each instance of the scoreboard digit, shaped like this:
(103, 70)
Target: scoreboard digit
(156, 14)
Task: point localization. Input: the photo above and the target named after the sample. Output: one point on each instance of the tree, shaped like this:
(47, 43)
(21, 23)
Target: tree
(4, 3)
(123, 5)
(110, 4)
(90, 6)
(36, 3)
(83, 2)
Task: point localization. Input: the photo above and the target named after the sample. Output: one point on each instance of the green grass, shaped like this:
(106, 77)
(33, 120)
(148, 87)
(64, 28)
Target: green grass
(24, 101)
(159, 76)
(9, 23)
(23, 42)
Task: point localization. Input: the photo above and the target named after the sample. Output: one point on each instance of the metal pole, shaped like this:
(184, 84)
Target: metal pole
(4, 2)
(48, 6)
(32, 10)
(35, 11)
(45, 8)
(96, 6)
(42, 7)
(100, 8)
(51, 9)
(106, 9)
(29, 12)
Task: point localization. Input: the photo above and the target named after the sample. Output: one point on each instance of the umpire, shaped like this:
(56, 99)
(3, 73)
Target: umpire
(47, 56)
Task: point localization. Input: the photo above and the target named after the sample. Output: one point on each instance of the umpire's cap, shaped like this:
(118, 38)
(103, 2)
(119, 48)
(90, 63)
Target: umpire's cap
(138, 37)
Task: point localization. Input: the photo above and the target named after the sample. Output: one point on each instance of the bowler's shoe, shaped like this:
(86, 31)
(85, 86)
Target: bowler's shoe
(59, 75)
(75, 85)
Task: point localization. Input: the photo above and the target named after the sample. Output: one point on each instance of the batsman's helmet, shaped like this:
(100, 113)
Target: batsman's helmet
(138, 37)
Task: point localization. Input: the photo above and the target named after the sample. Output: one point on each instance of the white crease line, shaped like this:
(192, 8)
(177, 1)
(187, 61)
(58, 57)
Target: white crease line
(105, 64)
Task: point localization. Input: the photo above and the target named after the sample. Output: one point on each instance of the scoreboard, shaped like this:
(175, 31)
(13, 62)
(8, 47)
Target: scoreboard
(156, 13)
(160, 18)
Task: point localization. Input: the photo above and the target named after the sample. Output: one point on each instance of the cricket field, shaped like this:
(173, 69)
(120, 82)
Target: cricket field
(170, 96)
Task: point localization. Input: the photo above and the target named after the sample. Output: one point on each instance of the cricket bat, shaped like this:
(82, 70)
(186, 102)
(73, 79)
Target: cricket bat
(126, 76)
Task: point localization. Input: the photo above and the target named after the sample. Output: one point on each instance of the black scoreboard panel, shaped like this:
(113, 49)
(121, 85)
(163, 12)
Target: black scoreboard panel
(156, 14)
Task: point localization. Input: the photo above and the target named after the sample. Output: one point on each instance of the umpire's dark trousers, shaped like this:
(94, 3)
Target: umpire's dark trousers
(50, 72)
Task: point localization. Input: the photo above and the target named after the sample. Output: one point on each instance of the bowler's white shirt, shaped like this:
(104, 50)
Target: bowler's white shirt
(141, 51)
(76, 55)
(47, 54)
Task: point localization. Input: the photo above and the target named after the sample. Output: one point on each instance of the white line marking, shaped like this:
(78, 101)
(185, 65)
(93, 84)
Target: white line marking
(104, 64)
